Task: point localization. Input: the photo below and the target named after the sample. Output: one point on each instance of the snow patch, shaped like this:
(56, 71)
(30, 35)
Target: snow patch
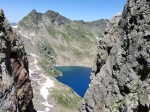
(97, 38)
(32, 34)
(26, 36)
(20, 31)
(44, 89)
(47, 109)
(47, 104)
(33, 55)
(35, 61)
(38, 68)
(15, 26)
(31, 71)
(119, 13)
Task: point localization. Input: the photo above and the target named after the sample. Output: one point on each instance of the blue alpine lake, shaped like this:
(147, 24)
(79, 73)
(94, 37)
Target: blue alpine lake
(77, 77)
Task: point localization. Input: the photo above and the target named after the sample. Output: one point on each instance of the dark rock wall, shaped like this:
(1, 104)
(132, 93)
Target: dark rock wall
(120, 80)
(15, 87)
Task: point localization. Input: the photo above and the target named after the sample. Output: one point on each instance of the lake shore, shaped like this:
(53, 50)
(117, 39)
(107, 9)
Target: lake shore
(73, 66)
(72, 75)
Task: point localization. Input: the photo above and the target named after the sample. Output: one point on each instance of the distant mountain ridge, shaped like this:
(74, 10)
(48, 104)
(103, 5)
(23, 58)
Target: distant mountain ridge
(73, 41)
(13, 24)
(54, 18)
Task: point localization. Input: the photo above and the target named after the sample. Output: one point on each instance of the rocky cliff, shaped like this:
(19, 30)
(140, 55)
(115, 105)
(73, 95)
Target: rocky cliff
(15, 86)
(121, 76)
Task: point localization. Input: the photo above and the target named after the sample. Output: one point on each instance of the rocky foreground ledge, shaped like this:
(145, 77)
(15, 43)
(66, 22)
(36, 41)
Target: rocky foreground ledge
(120, 80)
(15, 86)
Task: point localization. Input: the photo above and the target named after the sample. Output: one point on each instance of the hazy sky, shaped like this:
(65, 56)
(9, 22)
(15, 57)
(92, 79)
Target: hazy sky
(87, 10)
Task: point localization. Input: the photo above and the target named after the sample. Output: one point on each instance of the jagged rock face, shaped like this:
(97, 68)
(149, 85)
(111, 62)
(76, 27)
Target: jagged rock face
(15, 87)
(33, 20)
(121, 76)
(105, 45)
(107, 42)
(55, 18)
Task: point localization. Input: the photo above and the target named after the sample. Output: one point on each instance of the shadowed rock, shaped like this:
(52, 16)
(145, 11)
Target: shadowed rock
(121, 76)
(15, 86)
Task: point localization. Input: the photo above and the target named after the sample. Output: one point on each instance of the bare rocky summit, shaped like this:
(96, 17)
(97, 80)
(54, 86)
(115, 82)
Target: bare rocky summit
(120, 80)
(15, 86)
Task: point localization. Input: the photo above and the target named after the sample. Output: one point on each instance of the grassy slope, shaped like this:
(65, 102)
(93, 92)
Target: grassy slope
(47, 62)
(66, 98)
(82, 36)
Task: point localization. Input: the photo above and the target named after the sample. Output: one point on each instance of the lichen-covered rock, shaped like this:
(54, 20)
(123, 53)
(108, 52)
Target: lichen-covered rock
(15, 87)
(121, 76)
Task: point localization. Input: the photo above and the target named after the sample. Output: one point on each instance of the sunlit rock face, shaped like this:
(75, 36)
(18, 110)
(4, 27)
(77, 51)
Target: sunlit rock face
(15, 86)
(120, 79)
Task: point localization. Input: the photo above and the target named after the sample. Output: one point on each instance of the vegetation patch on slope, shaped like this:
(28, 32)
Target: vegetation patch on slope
(47, 62)
(65, 96)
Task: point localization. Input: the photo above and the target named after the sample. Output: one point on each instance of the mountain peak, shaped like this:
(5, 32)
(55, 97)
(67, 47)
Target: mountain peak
(51, 12)
(33, 12)
(31, 21)
(56, 18)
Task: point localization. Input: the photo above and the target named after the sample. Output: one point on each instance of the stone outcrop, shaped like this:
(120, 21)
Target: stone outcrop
(15, 86)
(106, 43)
(120, 80)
